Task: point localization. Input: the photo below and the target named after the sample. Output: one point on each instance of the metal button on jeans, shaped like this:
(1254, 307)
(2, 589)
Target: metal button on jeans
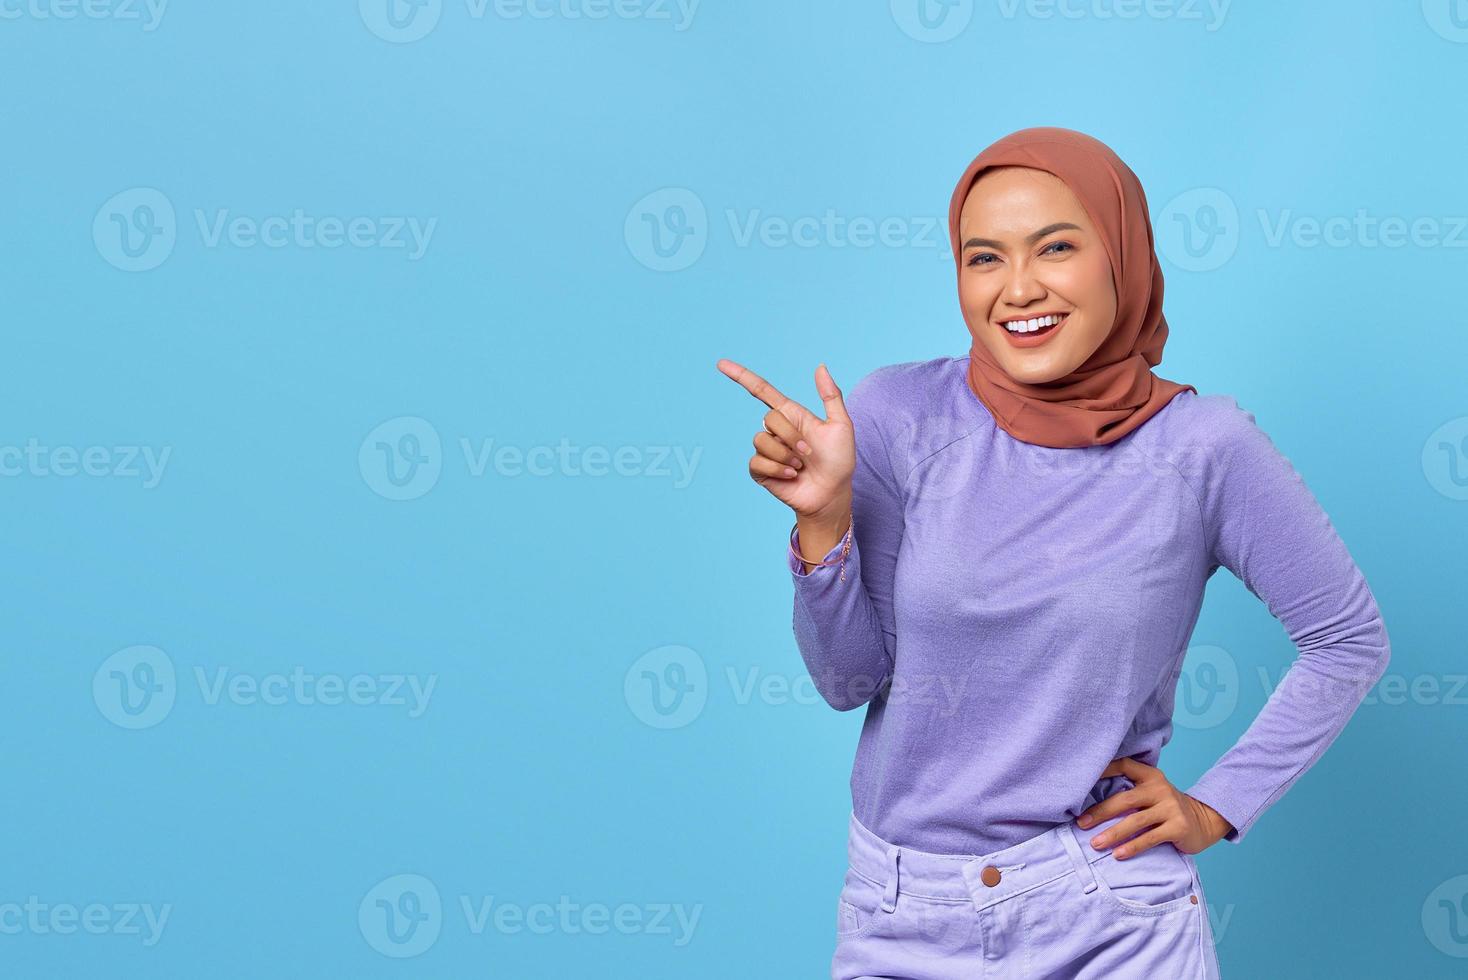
(990, 876)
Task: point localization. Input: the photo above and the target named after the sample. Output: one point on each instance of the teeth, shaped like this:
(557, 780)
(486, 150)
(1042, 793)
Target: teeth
(1030, 326)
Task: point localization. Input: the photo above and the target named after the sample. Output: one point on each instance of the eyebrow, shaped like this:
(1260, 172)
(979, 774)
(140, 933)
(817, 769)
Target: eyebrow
(1029, 239)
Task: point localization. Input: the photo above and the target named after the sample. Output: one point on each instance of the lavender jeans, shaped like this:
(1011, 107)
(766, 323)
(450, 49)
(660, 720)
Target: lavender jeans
(1048, 907)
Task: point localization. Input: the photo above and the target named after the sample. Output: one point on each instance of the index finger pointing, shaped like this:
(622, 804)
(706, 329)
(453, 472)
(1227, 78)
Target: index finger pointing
(753, 383)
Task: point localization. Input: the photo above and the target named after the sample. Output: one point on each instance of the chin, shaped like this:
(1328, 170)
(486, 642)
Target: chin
(1030, 371)
(1036, 377)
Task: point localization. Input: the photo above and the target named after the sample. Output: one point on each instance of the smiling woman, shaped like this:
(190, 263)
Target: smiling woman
(1032, 527)
(1077, 275)
(1065, 333)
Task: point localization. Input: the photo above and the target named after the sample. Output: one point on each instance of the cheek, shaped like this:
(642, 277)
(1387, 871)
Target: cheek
(1090, 285)
(974, 298)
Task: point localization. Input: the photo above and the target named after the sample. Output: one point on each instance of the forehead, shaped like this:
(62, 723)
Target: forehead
(1021, 199)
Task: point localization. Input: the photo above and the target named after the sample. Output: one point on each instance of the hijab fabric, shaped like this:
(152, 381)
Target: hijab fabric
(1114, 391)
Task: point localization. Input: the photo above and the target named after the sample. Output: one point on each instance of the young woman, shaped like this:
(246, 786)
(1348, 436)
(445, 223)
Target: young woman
(1003, 556)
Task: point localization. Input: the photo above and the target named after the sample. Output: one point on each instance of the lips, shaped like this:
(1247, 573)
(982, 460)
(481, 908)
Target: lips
(1036, 337)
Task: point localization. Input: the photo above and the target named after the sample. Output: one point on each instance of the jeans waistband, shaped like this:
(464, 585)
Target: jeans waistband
(1057, 852)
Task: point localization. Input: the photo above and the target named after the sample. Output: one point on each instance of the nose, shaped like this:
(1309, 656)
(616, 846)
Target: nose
(1022, 287)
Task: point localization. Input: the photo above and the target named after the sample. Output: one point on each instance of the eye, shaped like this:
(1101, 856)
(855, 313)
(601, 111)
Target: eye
(1047, 248)
(974, 259)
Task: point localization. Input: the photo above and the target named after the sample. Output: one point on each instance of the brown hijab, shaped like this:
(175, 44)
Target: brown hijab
(1114, 391)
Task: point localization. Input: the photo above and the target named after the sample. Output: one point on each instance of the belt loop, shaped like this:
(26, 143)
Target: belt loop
(1086, 873)
(889, 896)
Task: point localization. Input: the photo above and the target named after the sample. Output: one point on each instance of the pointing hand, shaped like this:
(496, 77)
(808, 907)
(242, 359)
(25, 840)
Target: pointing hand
(805, 461)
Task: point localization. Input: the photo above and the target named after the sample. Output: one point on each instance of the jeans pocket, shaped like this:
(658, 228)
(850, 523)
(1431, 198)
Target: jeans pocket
(1156, 881)
(858, 907)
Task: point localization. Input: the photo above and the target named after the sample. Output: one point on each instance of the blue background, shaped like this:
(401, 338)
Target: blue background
(538, 313)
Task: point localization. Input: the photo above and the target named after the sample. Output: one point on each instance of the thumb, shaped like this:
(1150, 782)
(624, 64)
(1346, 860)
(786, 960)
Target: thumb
(831, 395)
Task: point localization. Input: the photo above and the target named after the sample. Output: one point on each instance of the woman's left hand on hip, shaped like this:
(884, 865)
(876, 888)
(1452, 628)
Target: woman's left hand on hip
(1163, 811)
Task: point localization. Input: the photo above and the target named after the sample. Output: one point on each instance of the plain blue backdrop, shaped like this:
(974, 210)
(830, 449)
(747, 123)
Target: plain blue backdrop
(385, 594)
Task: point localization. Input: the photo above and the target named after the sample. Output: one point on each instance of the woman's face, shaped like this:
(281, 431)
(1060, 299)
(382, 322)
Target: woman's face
(1029, 249)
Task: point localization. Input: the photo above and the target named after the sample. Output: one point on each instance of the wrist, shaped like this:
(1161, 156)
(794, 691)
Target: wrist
(1218, 827)
(820, 533)
(830, 521)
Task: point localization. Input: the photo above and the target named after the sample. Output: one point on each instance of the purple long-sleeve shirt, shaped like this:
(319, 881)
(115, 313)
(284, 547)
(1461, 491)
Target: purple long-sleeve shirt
(1015, 616)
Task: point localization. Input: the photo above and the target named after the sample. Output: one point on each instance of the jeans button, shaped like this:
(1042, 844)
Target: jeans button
(990, 876)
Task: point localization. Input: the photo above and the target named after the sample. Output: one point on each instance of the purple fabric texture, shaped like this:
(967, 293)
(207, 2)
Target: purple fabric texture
(1015, 616)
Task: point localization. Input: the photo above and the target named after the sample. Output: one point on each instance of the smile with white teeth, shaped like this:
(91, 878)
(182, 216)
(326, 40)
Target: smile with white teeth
(1031, 326)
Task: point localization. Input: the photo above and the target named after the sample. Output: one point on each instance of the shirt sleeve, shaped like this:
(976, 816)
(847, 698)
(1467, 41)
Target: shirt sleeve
(844, 628)
(1265, 526)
